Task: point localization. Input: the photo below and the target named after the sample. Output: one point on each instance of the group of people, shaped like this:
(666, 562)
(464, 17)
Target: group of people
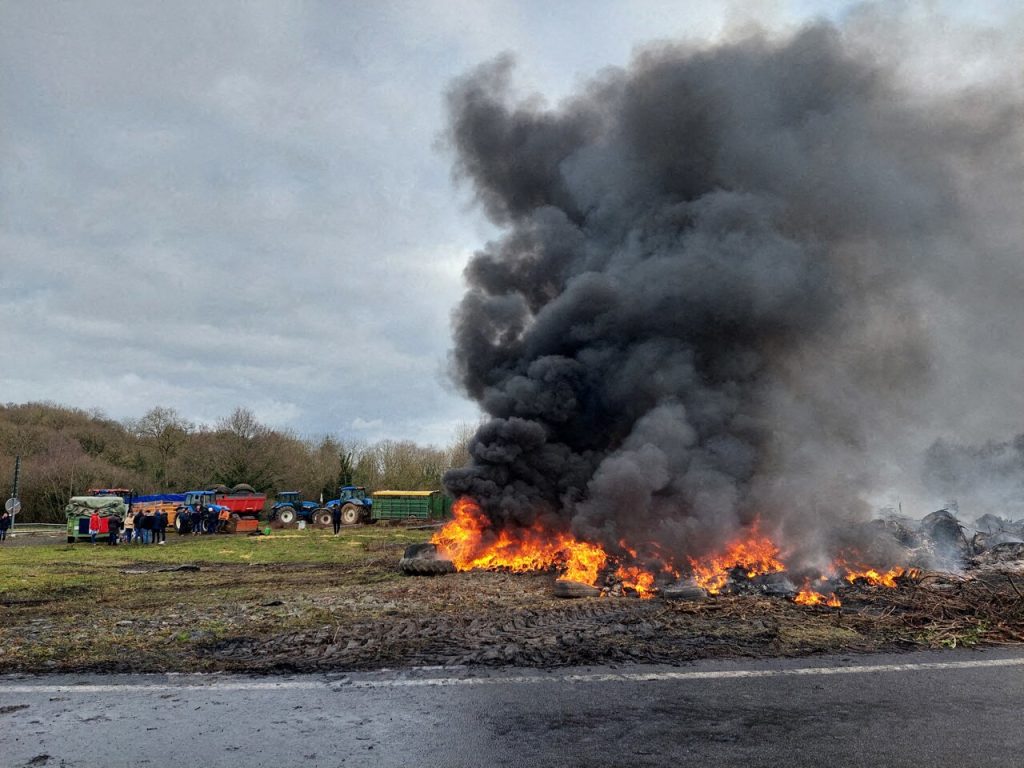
(197, 520)
(151, 527)
(138, 527)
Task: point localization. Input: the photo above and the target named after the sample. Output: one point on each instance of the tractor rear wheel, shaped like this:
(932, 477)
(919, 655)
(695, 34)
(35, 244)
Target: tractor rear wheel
(351, 514)
(322, 517)
(286, 516)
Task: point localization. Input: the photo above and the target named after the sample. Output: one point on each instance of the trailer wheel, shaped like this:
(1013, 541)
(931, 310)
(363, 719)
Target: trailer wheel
(351, 514)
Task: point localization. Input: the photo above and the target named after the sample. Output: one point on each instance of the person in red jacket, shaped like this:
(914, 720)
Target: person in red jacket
(94, 526)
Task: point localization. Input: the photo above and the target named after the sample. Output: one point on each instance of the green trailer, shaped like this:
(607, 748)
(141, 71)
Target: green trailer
(410, 505)
(80, 509)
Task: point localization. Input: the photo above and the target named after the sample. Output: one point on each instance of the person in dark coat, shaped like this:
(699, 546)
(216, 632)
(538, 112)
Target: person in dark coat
(160, 527)
(147, 527)
(195, 518)
(183, 522)
(113, 529)
(5, 523)
(336, 518)
(211, 520)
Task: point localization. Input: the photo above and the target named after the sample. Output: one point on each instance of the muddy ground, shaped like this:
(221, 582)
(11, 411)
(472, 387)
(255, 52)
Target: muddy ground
(341, 604)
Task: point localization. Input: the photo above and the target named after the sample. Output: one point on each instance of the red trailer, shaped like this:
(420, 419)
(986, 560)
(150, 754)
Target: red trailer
(245, 508)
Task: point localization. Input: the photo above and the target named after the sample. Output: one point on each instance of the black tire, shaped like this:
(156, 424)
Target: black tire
(71, 539)
(351, 514)
(221, 489)
(420, 550)
(566, 588)
(243, 488)
(321, 518)
(425, 566)
(287, 516)
(684, 592)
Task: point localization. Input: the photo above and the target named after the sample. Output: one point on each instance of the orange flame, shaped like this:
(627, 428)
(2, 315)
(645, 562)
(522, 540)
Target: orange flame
(755, 554)
(637, 578)
(879, 579)
(808, 596)
(471, 542)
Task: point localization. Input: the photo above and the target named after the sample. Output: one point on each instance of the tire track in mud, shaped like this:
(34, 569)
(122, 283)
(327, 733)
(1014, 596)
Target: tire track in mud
(590, 632)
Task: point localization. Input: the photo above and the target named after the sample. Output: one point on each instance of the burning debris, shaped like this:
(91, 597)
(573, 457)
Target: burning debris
(752, 565)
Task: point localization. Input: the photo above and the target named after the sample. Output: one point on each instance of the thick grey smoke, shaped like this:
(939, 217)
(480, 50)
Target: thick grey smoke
(707, 299)
(979, 480)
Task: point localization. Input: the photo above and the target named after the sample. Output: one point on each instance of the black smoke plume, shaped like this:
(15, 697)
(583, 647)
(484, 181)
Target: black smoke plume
(706, 301)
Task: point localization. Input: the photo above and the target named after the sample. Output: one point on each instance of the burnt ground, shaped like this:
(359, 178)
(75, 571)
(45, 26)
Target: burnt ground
(95, 612)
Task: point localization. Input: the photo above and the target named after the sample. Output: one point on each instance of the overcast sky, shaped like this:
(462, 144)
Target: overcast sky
(210, 205)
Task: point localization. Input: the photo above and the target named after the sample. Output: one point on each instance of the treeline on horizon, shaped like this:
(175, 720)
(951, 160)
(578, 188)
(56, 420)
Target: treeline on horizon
(65, 451)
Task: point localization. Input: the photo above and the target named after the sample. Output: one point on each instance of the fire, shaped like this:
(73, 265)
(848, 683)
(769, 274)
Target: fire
(637, 578)
(808, 596)
(755, 554)
(877, 579)
(470, 541)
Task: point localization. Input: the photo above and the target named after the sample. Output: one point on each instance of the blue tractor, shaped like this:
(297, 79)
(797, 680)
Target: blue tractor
(290, 508)
(355, 505)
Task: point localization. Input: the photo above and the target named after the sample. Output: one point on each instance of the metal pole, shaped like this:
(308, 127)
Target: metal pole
(14, 494)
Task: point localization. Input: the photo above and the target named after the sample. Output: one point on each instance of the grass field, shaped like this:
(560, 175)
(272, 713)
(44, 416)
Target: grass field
(84, 606)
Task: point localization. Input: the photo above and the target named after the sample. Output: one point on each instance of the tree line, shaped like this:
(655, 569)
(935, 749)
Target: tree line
(65, 451)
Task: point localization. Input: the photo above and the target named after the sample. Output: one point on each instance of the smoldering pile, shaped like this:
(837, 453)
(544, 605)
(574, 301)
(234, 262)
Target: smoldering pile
(705, 308)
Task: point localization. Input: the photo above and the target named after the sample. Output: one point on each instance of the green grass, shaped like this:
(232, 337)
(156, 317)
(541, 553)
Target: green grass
(30, 570)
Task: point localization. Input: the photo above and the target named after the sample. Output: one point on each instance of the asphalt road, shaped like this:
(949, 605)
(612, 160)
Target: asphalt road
(924, 709)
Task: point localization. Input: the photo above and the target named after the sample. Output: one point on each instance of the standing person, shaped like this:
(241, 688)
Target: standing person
(129, 526)
(113, 529)
(160, 527)
(196, 519)
(336, 518)
(211, 520)
(94, 526)
(5, 524)
(147, 527)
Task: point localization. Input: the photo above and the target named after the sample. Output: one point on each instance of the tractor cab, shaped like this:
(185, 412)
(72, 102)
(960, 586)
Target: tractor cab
(203, 500)
(354, 504)
(350, 492)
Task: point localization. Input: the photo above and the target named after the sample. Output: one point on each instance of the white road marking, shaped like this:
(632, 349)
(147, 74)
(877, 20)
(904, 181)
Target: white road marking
(413, 682)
